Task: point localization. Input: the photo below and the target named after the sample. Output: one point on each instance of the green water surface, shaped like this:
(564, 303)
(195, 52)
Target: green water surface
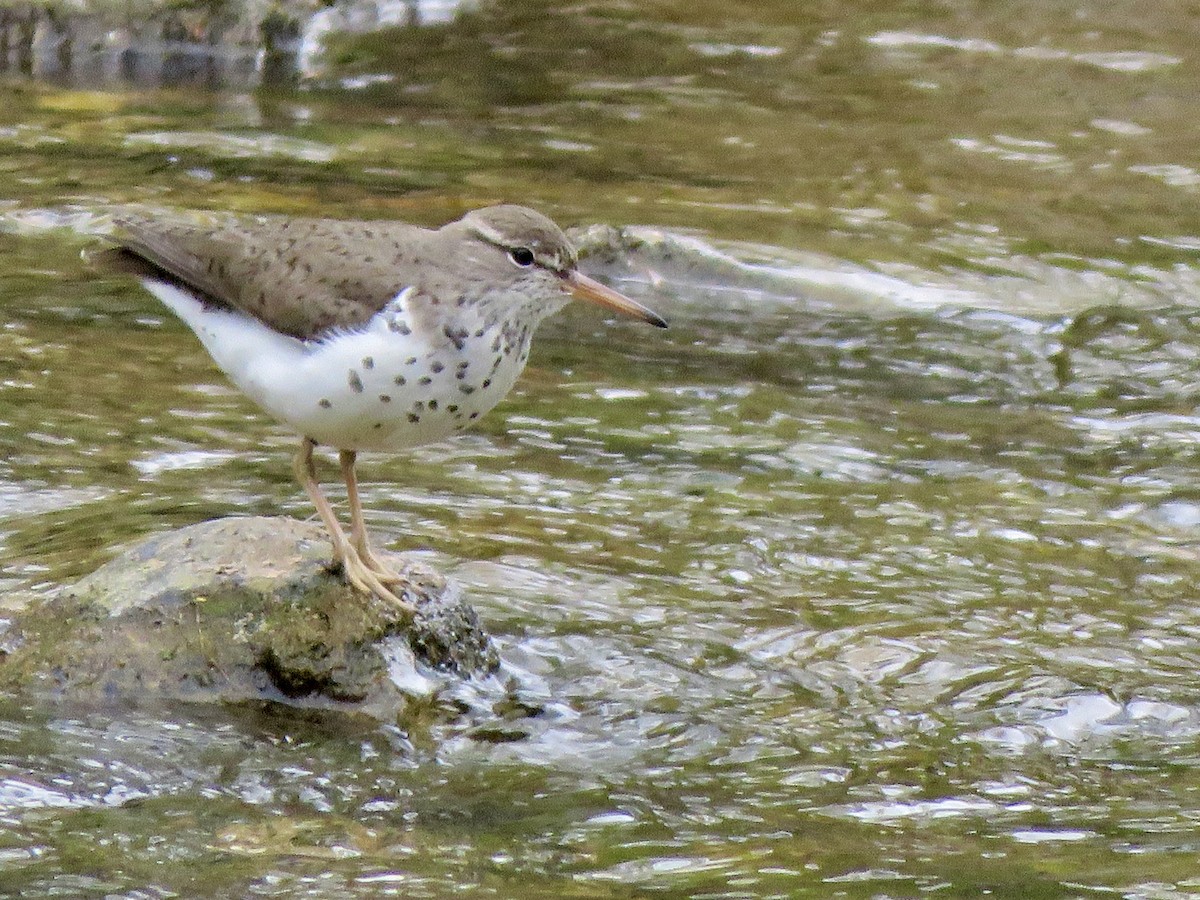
(883, 587)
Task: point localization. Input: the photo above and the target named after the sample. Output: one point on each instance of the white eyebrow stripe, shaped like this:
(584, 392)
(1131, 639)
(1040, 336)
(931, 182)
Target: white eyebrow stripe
(489, 234)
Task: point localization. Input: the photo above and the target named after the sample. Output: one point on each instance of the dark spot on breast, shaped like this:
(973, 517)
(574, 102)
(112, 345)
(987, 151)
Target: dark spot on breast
(399, 326)
(473, 415)
(436, 367)
(487, 382)
(410, 360)
(413, 417)
(385, 398)
(453, 407)
(378, 425)
(457, 336)
(466, 388)
(418, 406)
(368, 362)
(356, 384)
(424, 379)
(433, 404)
(400, 379)
(479, 333)
(496, 344)
(324, 403)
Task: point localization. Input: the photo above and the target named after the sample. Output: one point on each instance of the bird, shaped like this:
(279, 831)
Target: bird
(362, 335)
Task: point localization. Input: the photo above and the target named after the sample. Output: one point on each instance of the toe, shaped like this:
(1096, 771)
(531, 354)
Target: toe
(363, 578)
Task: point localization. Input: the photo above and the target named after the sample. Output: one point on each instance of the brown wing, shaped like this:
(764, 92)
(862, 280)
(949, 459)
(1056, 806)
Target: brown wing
(302, 277)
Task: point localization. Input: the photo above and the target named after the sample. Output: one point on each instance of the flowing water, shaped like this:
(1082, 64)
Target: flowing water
(874, 576)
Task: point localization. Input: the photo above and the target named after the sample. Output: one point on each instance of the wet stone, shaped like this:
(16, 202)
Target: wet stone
(242, 609)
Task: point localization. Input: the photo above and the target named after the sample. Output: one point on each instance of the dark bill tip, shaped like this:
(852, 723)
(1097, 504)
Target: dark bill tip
(589, 289)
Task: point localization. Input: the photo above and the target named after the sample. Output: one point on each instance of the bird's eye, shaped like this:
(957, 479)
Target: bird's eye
(522, 256)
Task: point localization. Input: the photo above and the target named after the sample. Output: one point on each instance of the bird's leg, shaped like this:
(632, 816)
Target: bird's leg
(306, 474)
(358, 526)
(357, 573)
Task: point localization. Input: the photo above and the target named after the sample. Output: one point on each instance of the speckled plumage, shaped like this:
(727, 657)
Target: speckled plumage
(306, 277)
(364, 335)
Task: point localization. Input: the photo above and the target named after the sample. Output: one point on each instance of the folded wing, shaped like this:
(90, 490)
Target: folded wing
(301, 277)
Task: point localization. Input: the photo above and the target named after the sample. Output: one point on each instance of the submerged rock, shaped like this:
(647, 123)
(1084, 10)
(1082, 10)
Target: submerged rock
(242, 609)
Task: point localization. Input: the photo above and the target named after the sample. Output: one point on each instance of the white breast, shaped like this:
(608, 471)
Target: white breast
(378, 388)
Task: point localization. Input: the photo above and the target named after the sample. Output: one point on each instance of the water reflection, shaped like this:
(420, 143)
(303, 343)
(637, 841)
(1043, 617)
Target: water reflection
(171, 49)
(208, 46)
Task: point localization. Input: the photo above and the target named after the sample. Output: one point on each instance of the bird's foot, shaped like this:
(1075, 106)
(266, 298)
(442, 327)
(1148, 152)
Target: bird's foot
(381, 570)
(367, 579)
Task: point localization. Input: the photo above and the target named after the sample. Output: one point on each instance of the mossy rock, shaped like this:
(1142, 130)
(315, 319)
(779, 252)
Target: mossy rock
(242, 609)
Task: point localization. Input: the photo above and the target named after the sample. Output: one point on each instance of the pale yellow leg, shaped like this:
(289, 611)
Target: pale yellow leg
(360, 575)
(358, 526)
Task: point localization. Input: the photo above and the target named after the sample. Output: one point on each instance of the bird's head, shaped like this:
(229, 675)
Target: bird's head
(539, 260)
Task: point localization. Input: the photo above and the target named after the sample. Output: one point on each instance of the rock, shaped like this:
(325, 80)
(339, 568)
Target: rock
(242, 609)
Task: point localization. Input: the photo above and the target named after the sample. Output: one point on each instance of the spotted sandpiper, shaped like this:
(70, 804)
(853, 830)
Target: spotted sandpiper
(364, 335)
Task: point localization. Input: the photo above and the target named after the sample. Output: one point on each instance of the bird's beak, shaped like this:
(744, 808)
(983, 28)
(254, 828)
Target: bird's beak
(586, 288)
